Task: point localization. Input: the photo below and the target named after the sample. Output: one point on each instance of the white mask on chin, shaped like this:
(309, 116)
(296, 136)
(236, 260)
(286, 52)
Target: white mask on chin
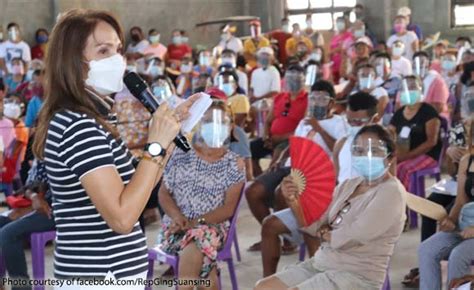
(106, 75)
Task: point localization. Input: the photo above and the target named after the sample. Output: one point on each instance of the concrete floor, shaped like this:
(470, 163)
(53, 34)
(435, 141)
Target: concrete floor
(249, 270)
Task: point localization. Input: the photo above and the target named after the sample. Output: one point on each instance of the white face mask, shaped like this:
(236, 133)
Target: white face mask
(12, 111)
(154, 39)
(397, 51)
(106, 75)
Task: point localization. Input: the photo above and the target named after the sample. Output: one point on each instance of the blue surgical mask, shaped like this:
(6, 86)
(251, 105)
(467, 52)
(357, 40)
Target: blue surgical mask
(359, 33)
(42, 39)
(215, 135)
(264, 62)
(448, 65)
(177, 40)
(353, 130)
(366, 83)
(228, 89)
(410, 98)
(162, 93)
(156, 71)
(371, 168)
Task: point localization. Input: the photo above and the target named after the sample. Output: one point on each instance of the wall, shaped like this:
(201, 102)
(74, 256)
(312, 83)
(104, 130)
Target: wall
(164, 15)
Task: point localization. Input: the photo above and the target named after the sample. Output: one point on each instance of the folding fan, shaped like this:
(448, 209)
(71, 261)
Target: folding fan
(313, 172)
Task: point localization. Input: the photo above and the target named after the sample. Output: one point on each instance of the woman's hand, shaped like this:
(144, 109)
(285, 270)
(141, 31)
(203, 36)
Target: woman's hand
(179, 223)
(182, 111)
(324, 233)
(456, 153)
(468, 233)
(164, 126)
(289, 189)
(314, 124)
(447, 225)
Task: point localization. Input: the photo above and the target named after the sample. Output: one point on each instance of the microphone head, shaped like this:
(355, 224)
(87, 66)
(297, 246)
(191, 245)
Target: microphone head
(135, 84)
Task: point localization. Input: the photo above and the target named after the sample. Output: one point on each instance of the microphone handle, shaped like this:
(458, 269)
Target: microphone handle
(151, 105)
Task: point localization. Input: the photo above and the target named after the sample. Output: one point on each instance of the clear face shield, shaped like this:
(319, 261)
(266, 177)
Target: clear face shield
(366, 79)
(467, 104)
(382, 67)
(155, 68)
(214, 129)
(318, 103)
(369, 158)
(311, 76)
(410, 92)
(162, 90)
(201, 83)
(227, 84)
(420, 66)
(294, 81)
(205, 58)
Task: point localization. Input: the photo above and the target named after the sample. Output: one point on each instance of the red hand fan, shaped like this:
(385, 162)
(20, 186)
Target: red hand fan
(313, 172)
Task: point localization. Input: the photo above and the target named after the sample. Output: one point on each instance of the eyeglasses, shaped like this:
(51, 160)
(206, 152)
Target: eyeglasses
(286, 112)
(340, 215)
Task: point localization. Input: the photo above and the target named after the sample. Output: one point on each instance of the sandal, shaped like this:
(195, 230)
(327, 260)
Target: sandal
(412, 279)
(255, 247)
(288, 249)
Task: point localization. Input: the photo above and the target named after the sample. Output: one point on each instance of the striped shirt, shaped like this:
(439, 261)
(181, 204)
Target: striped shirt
(85, 245)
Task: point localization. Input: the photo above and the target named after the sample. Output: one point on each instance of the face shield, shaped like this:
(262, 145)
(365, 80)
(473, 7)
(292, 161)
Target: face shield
(318, 103)
(366, 79)
(162, 91)
(201, 83)
(410, 92)
(369, 158)
(214, 129)
(205, 59)
(312, 71)
(155, 68)
(420, 66)
(227, 84)
(382, 67)
(294, 81)
(467, 103)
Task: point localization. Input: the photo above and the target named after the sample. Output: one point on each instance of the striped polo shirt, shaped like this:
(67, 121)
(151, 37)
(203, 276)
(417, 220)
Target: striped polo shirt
(85, 245)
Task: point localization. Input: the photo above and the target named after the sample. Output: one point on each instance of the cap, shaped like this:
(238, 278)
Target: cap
(214, 92)
(363, 40)
(404, 11)
(266, 49)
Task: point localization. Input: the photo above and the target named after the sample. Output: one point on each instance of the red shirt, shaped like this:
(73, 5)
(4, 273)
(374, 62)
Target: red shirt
(281, 37)
(37, 52)
(296, 109)
(177, 52)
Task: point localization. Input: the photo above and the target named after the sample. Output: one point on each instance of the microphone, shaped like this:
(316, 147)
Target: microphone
(140, 90)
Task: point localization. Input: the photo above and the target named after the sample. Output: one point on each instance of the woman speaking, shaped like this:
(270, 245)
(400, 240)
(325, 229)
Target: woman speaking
(98, 194)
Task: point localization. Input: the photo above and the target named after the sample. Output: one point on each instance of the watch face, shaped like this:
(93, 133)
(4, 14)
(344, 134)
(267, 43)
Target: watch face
(154, 149)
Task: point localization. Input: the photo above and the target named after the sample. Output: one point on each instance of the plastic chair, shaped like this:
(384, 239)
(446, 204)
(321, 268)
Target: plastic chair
(38, 242)
(417, 179)
(386, 284)
(302, 253)
(224, 255)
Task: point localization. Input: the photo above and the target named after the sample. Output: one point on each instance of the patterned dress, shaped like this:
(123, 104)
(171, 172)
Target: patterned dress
(199, 187)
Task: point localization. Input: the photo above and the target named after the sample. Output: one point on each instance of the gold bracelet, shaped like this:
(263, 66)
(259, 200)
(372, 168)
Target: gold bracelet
(160, 163)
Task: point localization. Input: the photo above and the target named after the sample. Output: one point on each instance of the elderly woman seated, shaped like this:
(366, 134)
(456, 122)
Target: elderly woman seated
(200, 192)
(360, 227)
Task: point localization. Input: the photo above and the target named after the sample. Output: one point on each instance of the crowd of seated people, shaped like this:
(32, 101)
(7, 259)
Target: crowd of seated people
(292, 81)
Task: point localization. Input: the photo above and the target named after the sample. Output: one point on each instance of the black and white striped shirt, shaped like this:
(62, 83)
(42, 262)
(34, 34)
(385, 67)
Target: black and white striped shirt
(85, 245)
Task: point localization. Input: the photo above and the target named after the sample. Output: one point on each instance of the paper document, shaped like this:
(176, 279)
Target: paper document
(196, 112)
(445, 186)
(466, 286)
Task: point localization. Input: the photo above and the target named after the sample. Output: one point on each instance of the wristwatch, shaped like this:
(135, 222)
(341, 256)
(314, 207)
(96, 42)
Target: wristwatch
(201, 221)
(155, 149)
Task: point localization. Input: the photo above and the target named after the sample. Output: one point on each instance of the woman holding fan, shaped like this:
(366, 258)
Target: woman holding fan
(359, 229)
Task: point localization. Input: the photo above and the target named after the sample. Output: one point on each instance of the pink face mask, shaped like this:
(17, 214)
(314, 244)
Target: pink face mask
(17, 69)
(399, 27)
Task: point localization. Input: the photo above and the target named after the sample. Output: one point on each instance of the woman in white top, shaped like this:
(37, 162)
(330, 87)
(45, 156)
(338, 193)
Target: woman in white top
(409, 38)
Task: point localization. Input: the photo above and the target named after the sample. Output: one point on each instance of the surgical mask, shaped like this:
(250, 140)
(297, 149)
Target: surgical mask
(13, 34)
(42, 39)
(353, 130)
(294, 84)
(366, 83)
(359, 33)
(264, 62)
(225, 36)
(162, 93)
(185, 68)
(228, 60)
(285, 28)
(320, 112)
(228, 89)
(17, 69)
(156, 71)
(12, 110)
(448, 65)
(410, 98)
(397, 51)
(131, 68)
(29, 75)
(204, 60)
(154, 39)
(371, 168)
(177, 40)
(340, 26)
(105, 76)
(184, 39)
(215, 135)
(315, 56)
(309, 23)
(380, 70)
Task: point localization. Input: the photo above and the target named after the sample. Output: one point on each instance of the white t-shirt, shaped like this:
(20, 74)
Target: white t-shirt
(408, 38)
(336, 127)
(265, 81)
(139, 47)
(379, 92)
(401, 67)
(10, 50)
(233, 43)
